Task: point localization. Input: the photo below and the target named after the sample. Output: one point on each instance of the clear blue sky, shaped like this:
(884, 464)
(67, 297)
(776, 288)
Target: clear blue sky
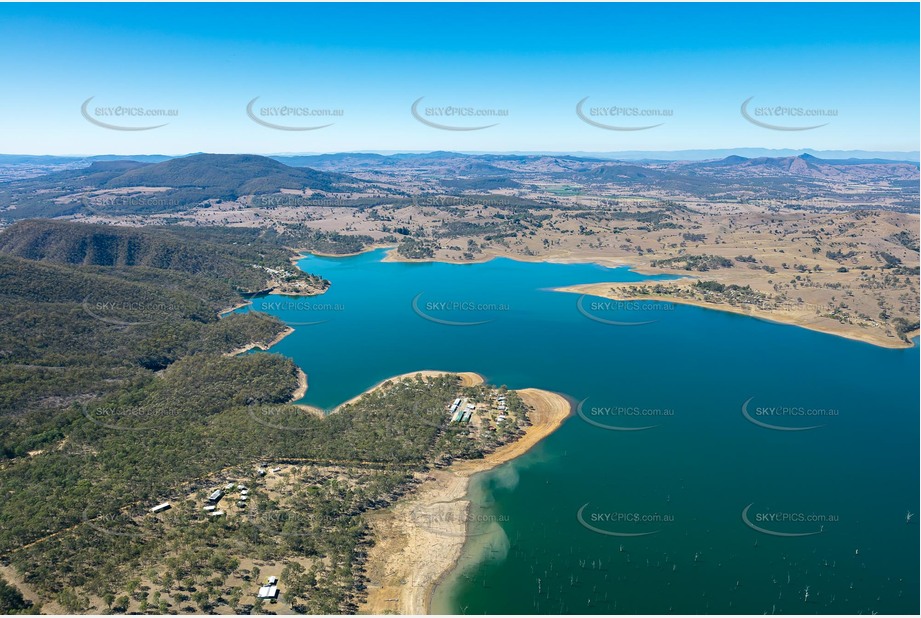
(373, 61)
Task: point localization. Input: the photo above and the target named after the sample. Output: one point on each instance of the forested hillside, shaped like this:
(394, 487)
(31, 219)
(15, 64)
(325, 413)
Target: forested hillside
(245, 259)
(117, 392)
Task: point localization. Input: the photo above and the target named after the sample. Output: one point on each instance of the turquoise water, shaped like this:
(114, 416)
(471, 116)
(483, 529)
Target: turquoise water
(665, 503)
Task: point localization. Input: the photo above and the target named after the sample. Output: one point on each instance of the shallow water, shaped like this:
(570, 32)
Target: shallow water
(604, 518)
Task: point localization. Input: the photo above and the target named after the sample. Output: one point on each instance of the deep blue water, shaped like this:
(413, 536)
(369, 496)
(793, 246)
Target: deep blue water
(687, 372)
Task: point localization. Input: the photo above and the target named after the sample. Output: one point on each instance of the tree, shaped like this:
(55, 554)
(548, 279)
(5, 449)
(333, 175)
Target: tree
(72, 602)
(202, 600)
(121, 604)
(12, 601)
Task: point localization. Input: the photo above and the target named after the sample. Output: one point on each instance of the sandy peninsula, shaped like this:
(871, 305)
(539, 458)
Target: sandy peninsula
(466, 378)
(409, 557)
(232, 308)
(805, 316)
(303, 252)
(260, 344)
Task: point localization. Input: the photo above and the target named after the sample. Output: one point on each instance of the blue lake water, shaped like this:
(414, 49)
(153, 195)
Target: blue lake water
(599, 518)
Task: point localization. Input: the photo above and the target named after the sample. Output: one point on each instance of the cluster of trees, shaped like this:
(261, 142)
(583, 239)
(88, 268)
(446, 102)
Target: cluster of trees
(415, 249)
(205, 414)
(234, 258)
(907, 240)
(309, 239)
(72, 333)
(701, 263)
(12, 601)
(117, 394)
(185, 182)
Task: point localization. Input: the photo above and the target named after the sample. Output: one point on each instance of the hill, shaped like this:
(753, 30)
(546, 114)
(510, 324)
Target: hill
(131, 187)
(119, 390)
(230, 176)
(244, 259)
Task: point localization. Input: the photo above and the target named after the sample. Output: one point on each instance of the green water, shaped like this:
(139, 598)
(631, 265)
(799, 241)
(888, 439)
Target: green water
(686, 373)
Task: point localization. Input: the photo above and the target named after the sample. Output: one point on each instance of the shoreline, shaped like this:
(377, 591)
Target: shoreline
(787, 318)
(468, 378)
(409, 559)
(259, 344)
(301, 389)
(568, 258)
(559, 258)
(232, 308)
(301, 252)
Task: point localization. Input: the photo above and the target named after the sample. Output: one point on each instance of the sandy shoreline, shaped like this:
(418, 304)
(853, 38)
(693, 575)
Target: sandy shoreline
(804, 319)
(550, 258)
(260, 345)
(232, 308)
(367, 249)
(301, 385)
(411, 557)
(467, 379)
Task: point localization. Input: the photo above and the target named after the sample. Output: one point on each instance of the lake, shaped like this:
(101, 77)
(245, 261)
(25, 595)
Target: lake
(717, 463)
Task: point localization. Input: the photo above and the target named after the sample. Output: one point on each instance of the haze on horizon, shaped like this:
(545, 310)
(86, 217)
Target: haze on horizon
(690, 66)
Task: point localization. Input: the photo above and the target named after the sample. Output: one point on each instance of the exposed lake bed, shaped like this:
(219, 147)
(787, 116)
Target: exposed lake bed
(636, 503)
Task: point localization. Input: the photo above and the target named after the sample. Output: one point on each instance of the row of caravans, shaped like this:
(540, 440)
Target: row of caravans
(461, 414)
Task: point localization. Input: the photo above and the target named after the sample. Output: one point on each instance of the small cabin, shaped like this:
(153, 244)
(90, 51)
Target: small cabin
(268, 592)
(216, 495)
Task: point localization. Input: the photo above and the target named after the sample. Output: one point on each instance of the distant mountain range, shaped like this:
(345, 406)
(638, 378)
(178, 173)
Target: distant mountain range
(701, 155)
(123, 186)
(306, 159)
(185, 182)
